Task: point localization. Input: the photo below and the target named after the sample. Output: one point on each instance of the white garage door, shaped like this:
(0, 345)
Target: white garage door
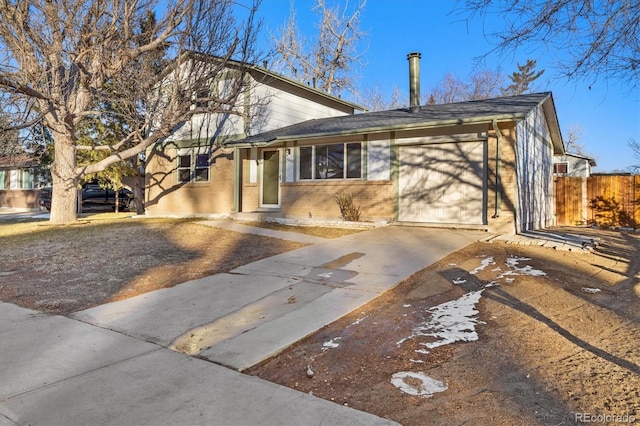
(442, 183)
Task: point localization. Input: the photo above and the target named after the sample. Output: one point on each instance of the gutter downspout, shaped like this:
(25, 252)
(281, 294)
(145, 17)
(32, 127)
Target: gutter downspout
(494, 123)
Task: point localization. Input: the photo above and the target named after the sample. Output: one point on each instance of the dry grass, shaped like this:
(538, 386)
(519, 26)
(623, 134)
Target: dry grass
(107, 257)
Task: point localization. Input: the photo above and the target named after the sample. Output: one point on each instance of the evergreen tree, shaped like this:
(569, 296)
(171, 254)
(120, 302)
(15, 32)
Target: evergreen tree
(521, 80)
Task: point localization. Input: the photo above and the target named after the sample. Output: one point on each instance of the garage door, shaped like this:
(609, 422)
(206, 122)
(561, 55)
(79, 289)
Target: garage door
(442, 183)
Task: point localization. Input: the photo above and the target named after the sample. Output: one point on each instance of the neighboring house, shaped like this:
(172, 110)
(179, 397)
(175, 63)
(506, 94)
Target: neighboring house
(19, 182)
(192, 172)
(484, 164)
(573, 165)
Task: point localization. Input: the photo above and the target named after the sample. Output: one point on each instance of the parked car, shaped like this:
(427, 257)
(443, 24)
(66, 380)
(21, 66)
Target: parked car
(94, 197)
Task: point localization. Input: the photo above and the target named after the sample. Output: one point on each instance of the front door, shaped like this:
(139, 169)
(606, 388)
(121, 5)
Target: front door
(270, 196)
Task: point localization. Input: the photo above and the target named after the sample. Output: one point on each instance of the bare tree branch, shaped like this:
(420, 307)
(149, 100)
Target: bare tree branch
(600, 38)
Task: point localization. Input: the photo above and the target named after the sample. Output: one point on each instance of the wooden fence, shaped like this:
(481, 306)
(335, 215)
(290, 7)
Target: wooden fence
(604, 200)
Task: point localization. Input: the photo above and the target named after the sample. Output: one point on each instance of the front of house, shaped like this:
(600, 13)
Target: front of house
(19, 183)
(484, 164)
(480, 164)
(194, 173)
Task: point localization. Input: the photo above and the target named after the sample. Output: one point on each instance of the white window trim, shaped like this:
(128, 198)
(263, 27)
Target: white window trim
(344, 165)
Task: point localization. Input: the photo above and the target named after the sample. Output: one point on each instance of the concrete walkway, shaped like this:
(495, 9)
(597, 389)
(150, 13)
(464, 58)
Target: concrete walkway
(130, 362)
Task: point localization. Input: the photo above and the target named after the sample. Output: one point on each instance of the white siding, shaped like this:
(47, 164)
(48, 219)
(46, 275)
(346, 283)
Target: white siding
(207, 126)
(271, 108)
(576, 166)
(534, 169)
(379, 160)
(253, 165)
(275, 108)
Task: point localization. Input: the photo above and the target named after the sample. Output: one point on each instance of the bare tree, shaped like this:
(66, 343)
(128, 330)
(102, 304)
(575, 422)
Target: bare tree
(324, 62)
(600, 37)
(377, 100)
(481, 85)
(572, 141)
(65, 61)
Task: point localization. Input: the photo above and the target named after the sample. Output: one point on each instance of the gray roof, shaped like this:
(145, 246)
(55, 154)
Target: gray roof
(502, 109)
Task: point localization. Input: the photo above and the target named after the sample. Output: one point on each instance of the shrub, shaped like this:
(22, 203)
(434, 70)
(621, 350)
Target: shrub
(348, 211)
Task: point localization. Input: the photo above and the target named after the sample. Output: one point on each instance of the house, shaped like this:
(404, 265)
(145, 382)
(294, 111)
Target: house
(193, 173)
(19, 182)
(573, 165)
(485, 164)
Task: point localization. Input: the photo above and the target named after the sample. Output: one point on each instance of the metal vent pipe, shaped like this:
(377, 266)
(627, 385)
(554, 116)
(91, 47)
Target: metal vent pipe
(414, 80)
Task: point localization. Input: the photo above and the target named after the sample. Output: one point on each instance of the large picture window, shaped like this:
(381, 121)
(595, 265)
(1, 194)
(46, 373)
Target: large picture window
(335, 161)
(193, 165)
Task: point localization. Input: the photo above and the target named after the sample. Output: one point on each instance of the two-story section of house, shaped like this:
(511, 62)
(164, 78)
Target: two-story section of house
(192, 173)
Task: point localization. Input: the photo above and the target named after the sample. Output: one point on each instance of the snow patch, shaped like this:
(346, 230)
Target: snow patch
(450, 322)
(459, 281)
(512, 262)
(483, 264)
(331, 344)
(358, 321)
(419, 385)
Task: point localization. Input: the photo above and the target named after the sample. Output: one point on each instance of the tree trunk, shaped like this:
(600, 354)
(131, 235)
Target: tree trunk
(64, 201)
(138, 194)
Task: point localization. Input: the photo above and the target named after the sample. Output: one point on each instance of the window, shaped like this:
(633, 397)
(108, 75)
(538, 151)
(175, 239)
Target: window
(560, 168)
(18, 179)
(335, 161)
(193, 165)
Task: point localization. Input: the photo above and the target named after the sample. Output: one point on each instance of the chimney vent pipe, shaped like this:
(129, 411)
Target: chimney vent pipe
(414, 80)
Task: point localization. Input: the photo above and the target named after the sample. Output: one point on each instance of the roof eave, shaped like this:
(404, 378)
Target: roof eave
(382, 129)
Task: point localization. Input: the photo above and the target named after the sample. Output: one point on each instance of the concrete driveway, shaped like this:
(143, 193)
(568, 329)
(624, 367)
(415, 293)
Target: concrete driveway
(144, 360)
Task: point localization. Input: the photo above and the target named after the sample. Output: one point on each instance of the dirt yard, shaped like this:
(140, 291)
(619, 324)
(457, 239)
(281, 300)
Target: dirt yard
(493, 334)
(63, 270)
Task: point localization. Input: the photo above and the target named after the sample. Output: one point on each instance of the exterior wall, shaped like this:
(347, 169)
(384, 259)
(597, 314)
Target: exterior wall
(22, 199)
(275, 108)
(501, 199)
(534, 166)
(250, 189)
(576, 166)
(18, 192)
(166, 196)
(274, 103)
(315, 200)
(271, 104)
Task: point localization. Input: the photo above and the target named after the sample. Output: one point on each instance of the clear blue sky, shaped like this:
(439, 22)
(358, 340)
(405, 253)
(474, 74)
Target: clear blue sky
(608, 112)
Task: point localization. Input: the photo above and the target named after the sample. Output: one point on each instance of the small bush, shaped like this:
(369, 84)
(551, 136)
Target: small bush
(348, 211)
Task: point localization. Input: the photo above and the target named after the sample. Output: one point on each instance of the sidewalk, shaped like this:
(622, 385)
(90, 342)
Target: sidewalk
(113, 364)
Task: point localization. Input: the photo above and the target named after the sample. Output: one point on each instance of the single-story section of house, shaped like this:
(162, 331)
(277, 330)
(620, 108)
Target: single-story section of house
(484, 164)
(573, 165)
(19, 182)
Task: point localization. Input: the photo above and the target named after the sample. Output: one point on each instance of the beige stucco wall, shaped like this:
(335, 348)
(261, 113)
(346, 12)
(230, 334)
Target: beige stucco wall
(23, 199)
(165, 196)
(315, 200)
(502, 218)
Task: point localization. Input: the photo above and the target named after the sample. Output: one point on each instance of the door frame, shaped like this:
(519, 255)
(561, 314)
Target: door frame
(262, 177)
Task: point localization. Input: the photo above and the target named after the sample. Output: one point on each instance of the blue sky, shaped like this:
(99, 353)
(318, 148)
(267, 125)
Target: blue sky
(608, 113)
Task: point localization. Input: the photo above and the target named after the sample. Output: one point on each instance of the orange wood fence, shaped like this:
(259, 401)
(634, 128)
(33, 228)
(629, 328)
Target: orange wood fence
(604, 200)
